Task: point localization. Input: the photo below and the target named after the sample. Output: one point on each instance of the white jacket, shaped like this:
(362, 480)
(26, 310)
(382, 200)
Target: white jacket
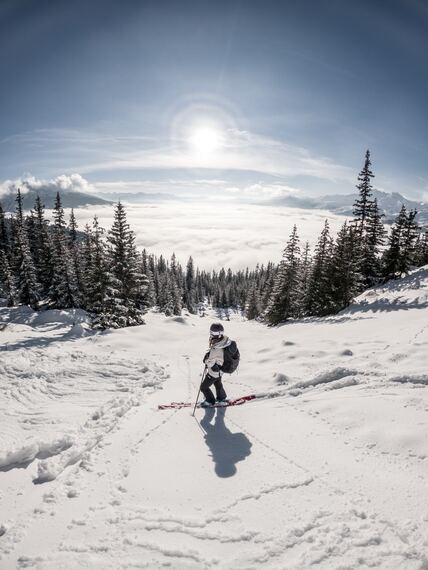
(216, 356)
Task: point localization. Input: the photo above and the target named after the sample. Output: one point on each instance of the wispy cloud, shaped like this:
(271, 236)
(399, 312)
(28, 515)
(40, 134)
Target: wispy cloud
(90, 153)
(242, 151)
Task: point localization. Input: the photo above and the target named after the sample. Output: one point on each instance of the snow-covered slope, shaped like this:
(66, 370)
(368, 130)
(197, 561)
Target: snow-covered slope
(327, 469)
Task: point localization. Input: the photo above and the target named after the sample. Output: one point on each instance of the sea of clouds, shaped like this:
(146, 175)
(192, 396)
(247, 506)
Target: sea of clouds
(216, 234)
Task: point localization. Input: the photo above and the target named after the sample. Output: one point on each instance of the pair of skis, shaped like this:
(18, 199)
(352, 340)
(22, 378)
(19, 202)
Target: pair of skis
(235, 402)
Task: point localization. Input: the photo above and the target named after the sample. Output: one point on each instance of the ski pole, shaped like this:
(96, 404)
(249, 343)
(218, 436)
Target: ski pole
(199, 391)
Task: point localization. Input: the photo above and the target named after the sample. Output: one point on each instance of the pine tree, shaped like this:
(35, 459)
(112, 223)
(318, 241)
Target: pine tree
(267, 285)
(399, 255)
(283, 302)
(374, 240)
(19, 209)
(345, 278)
(166, 295)
(318, 301)
(86, 260)
(364, 202)
(75, 254)
(126, 282)
(253, 308)
(4, 237)
(305, 273)
(7, 281)
(369, 232)
(421, 250)
(409, 238)
(96, 276)
(28, 288)
(64, 292)
(149, 299)
(189, 291)
(42, 248)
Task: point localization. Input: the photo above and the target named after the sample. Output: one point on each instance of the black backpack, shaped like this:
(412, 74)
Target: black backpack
(231, 358)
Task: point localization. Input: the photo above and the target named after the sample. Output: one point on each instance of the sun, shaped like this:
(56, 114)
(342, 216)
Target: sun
(205, 139)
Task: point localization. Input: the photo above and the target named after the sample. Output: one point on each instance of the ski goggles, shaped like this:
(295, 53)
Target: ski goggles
(216, 334)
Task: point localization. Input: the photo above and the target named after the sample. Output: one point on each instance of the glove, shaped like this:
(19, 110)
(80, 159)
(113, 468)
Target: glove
(216, 367)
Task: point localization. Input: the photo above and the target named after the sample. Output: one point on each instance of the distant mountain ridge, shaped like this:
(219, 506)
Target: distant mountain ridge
(389, 203)
(69, 199)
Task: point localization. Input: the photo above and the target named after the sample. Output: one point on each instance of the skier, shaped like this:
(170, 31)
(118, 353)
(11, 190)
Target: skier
(223, 356)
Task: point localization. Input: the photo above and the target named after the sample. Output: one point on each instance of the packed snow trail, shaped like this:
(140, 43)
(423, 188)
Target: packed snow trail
(328, 470)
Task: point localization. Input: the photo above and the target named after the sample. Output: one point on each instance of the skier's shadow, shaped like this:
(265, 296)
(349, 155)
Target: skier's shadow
(226, 448)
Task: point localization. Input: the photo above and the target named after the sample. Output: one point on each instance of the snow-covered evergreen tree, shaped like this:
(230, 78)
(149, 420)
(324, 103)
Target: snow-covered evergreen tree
(4, 237)
(345, 277)
(75, 252)
(19, 216)
(28, 288)
(96, 275)
(374, 240)
(421, 249)
(399, 256)
(369, 232)
(42, 247)
(284, 301)
(408, 246)
(126, 280)
(364, 202)
(189, 290)
(305, 273)
(7, 281)
(64, 291)
(253, 307)
(318, 298)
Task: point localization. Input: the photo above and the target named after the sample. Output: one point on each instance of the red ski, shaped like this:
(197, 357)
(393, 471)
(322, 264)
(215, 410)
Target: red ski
(236, 402)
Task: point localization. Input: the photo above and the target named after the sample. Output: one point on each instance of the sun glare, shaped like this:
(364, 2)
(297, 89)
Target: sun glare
(205, 140)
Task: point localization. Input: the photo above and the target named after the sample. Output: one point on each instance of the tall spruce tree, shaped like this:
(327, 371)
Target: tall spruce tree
(7, 281)
(399, 256)
(345, 277)
(421, 249)
(189, 290)
(64, 291)
(408, 245)
(369, 233)
(4, 237)
(364, 202)
(126, 281)
(28, 288)
(318, 300)
(253, 306)
(42, 247)
(75, 252)
(96, 275)
(374, 240)
(284, 301)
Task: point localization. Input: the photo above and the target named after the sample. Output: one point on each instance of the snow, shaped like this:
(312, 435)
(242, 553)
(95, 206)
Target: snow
(326, 469)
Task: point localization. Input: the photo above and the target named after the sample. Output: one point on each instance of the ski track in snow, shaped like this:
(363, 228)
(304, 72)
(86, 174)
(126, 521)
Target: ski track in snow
(330, 461)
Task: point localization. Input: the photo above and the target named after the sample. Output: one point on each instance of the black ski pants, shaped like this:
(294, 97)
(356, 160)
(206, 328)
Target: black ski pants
(205, 389)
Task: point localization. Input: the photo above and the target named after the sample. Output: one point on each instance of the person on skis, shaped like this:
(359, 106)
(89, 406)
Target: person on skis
(223, 356)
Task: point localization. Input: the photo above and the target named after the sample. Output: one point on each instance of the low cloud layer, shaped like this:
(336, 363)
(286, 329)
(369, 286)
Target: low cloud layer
(216, 234)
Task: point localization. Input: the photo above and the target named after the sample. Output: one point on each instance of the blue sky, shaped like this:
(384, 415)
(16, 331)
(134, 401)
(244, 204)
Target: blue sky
(132, 94)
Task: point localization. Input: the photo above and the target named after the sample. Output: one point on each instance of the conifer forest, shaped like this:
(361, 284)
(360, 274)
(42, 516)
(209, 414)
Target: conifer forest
(54, 264)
